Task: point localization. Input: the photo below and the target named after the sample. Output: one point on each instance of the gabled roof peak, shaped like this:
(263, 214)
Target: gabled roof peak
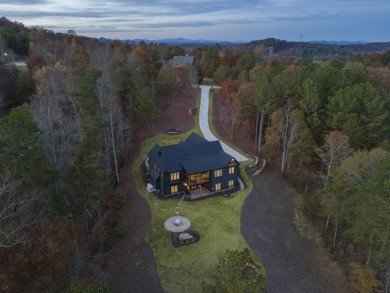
(194, 155)
(194, 138)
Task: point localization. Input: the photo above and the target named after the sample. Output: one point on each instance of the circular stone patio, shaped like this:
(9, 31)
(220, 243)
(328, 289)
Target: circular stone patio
(177, 224)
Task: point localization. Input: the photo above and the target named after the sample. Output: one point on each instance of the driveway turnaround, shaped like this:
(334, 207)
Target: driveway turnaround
(204, 124)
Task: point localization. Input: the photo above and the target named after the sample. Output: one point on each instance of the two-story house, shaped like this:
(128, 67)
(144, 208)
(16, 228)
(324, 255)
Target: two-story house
(195, 166)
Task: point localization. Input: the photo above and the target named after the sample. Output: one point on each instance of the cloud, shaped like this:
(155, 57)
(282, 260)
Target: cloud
(218, 17)
(24, 2)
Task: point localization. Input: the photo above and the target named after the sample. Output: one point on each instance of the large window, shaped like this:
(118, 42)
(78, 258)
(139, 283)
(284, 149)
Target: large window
(231, 170)
(174, 188)
(231, 183)
(175, 176)
(218, 173)
(198, 178)
(217, 186)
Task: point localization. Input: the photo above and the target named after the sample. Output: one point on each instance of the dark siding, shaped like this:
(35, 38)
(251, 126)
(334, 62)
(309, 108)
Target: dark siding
(194, 155)
(156, 183)
(162, 184)
(168, 183)
(225, 178)
(167, 189)
(233, 176)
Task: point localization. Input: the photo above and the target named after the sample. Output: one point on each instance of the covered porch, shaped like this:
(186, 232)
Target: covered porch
(199, 192)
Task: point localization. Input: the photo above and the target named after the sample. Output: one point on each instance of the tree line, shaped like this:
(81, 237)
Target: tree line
(326, 124)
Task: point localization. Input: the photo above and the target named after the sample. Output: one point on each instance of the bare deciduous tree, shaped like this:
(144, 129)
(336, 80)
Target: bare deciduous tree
(333, 152)
(289, 135)
(283, 130)
(54, 112)
(104, 58)
(18, 211)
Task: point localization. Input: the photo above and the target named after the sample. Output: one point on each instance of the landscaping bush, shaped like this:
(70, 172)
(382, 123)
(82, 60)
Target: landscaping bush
(236, 272)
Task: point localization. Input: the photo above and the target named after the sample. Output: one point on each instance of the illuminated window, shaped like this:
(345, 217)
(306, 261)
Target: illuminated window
(175, 176)
(231, 170)
(231, 183)
(174, 188)
(218, 173)
(217, 186)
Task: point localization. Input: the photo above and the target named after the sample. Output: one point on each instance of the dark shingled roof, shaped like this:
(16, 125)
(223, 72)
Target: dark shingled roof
(182, 60)
(154, 174)
(194, 155)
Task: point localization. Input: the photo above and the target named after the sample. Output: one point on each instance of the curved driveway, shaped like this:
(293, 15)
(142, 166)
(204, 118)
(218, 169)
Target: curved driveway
(292, 262)
(204, 124)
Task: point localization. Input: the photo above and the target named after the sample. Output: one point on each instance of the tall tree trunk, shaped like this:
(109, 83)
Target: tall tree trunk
(284, 138)
(107, 150)
(328, 218)
(260, 133)
(335, 232)
(307, 183)
(122, 146)
(329, 168)
(257, 125)
(114, 148)
(327, 221)
(387, 274)
(370, 249)
(86, 232)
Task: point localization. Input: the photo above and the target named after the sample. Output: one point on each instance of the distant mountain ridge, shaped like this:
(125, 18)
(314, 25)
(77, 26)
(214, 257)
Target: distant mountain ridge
(339, 43)
(176, 41)
(316, 50)
(321, 50)
(184, 41)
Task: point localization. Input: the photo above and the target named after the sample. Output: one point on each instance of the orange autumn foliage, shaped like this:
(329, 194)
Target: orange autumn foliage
(42, 264)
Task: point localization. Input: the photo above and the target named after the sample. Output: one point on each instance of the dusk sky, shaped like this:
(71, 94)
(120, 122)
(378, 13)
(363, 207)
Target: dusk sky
(231, 20)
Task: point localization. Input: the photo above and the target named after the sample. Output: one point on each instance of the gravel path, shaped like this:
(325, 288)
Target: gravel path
(131, 267)
(293, 263)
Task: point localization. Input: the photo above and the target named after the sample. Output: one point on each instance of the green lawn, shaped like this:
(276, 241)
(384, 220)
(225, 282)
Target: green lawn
(216, 219)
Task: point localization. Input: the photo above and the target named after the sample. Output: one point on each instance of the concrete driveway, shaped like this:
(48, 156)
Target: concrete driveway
(204, 124)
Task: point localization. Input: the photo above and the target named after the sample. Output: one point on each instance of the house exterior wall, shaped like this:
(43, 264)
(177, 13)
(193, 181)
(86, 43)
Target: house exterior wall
(160, 182)
(225, 178)
(166, 182)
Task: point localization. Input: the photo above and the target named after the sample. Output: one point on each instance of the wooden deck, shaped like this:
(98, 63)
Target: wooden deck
(200, 192)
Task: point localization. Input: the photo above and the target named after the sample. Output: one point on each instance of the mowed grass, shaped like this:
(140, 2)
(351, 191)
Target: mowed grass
(216, 219)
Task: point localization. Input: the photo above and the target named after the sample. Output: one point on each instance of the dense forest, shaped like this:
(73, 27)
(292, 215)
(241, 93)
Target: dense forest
(326, 124)
(68, 120)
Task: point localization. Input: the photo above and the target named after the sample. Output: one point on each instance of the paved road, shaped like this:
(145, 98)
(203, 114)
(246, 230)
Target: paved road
(204, 124)
(292, 262)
